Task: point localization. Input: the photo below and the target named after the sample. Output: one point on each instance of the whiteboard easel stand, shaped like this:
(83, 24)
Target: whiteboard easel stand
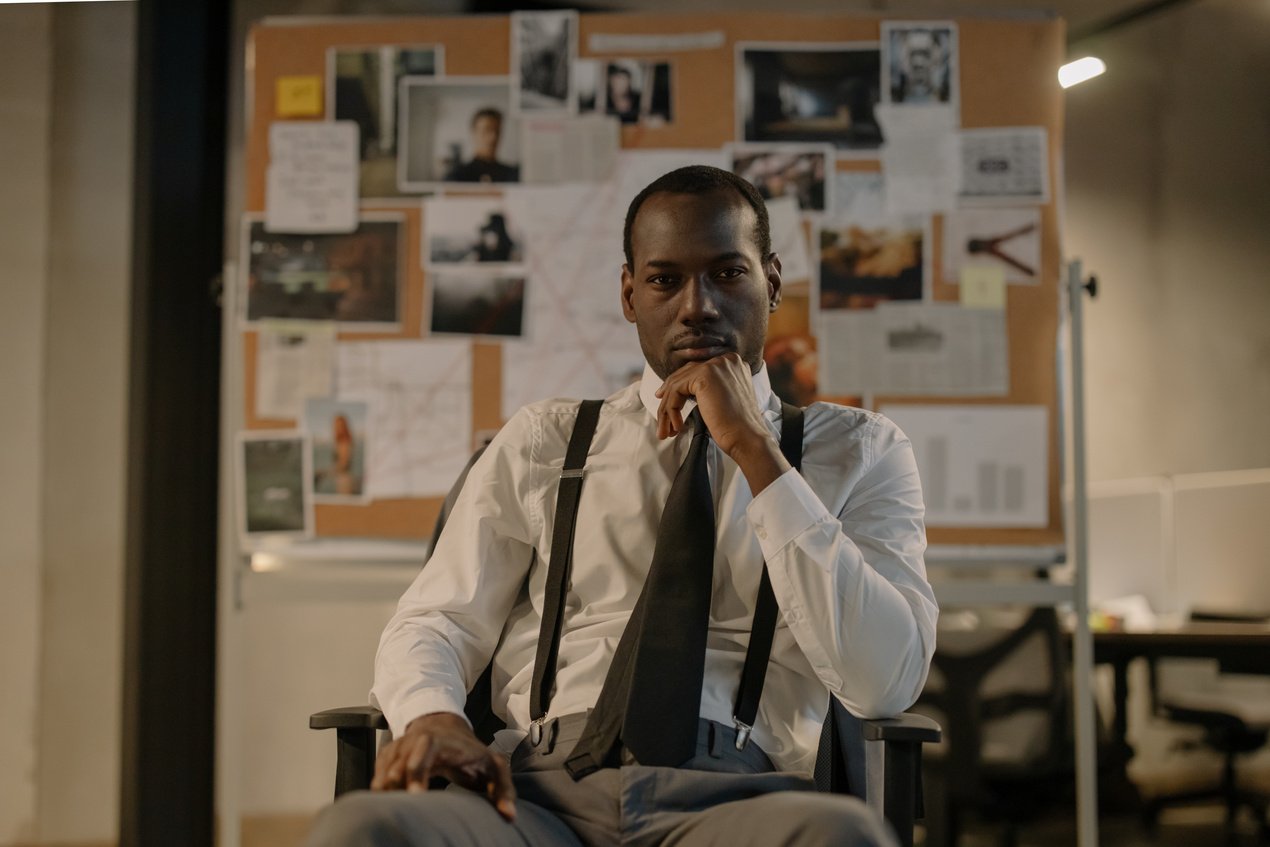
(1082, 642)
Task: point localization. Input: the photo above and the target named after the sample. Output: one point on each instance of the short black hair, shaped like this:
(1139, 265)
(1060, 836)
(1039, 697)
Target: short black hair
(702, 179)
(487, 112)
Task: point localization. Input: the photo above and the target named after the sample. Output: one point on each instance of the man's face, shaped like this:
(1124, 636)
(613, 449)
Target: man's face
(485, 133)
(698, 287)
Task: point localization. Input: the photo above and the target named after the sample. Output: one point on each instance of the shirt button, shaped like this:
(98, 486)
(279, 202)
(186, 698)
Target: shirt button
(762, 533)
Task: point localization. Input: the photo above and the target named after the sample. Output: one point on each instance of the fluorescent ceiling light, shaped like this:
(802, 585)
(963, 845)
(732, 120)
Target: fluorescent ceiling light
(1079, 71)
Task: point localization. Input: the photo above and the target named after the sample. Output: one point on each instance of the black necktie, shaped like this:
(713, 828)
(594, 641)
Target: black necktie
(651, 697)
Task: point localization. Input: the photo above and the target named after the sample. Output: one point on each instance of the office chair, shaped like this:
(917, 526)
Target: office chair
(1001, 689)
(1233, 710)
(878, 760)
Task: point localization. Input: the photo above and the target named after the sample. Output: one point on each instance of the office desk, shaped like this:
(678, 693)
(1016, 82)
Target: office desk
(1238, 647)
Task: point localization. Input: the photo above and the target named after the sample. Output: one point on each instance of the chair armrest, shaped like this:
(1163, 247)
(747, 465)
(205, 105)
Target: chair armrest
(349, 717)
(907, 727)
(355, 730)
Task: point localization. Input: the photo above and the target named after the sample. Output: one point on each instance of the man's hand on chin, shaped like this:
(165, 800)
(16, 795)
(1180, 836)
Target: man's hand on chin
(442, 744)
(724, 391)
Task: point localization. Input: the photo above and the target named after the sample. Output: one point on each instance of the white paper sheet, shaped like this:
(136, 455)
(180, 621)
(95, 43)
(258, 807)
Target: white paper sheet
(294, 361)
(419, 426)
(922, 349)
(981, 466)
(919, 158)
(859, 195)
(311, 184)
(789, 239)
(623, 42)
(1002, 166)
(578, 344)
(582, 149)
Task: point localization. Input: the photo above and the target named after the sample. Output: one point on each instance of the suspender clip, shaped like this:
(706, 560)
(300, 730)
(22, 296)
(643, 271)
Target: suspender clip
(743, 731)
(535, 730)
(573, 473)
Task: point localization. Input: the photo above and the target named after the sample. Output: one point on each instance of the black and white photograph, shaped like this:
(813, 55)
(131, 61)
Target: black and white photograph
(481, 303)
(457, 130)
(353, 278)
(863, 264)
(337, 444)
(782, 171)
(543, 47)
(273, 470)
(463, 230)
(809, 93)
(637, 91)
(919, 63)
(362, 86)
(588, 87)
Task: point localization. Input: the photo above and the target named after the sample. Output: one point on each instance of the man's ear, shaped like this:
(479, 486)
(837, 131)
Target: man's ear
(772, 267)
(628, 291)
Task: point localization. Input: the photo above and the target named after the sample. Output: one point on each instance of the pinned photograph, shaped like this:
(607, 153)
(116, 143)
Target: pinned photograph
(353, 278)
(337, 441)
(456, 130)
(864, 264)
(460, 230)
(809, 93)
(273, 468)
(543, 47)
(483, 303)
(797, 172)
(792, 367)
(1003, 166)
(1009, 239)
(637, 91)
(587, 85)
(362, 87)
(919, 65)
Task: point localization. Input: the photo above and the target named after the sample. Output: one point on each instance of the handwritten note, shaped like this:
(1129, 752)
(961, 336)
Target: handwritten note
(311, 183)
(983, 286)
(299, 97)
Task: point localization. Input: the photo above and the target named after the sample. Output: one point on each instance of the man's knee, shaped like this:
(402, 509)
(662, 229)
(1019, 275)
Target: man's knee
(837, 819)
(359, 817)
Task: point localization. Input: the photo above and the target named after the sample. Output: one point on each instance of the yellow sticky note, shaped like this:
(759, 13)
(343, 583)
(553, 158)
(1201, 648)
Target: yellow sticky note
(299, 97)
(983, 286)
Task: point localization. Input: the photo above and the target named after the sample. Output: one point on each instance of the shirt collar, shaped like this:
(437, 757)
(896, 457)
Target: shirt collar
(650, 382)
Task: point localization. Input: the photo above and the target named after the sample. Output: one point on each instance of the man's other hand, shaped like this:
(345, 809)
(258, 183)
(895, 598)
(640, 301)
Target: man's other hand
(442, 744)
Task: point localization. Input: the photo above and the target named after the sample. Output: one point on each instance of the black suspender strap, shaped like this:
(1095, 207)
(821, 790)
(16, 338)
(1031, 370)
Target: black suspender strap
(567, 498)
(763, 630)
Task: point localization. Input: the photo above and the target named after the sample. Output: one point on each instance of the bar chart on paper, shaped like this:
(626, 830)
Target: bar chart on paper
(981, 466)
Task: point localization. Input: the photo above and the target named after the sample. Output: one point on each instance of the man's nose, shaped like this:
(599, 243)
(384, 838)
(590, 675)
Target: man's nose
(700, 301)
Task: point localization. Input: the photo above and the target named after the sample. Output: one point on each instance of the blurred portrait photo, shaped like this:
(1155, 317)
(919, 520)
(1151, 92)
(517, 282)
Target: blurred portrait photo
(457, 130)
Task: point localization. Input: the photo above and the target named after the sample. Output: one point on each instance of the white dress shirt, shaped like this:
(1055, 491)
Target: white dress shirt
(843, 544)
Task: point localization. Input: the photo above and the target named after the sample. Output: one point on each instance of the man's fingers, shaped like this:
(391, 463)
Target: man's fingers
(500, 790)
(389, 768)
(420, 773)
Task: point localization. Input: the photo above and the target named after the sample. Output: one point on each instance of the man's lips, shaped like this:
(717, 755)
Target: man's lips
(701, 347)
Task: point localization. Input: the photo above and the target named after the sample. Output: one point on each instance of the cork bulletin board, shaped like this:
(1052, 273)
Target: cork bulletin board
(1004, 78)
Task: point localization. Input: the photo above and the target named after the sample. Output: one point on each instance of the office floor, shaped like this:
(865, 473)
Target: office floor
(1193, 827)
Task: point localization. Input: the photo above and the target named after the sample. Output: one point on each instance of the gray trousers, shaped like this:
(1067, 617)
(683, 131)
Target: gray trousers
(721, 797)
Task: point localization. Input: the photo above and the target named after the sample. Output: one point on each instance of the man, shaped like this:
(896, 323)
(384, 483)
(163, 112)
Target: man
(843, 545)
(487, 132)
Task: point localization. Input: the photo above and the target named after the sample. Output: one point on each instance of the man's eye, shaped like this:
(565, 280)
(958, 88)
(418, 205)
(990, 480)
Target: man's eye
(662, 280)
(731, 273)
